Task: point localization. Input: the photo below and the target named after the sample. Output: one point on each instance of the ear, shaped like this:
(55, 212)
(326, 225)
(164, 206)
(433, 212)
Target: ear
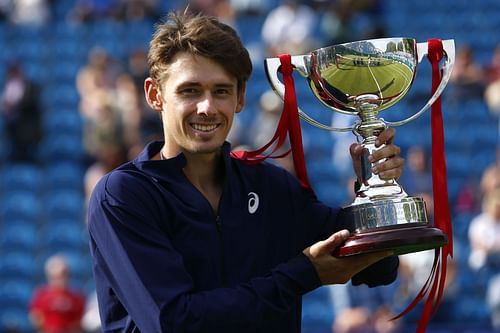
(241, 98)
(153, 95)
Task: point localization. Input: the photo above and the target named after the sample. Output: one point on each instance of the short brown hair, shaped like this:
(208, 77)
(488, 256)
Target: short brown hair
(198, 35)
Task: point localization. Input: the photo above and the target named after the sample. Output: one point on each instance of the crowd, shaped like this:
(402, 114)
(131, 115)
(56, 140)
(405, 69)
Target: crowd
(117, 122)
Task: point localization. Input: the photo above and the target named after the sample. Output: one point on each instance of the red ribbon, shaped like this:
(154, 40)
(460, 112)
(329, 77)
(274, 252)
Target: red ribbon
(289, 124)
(442, 219)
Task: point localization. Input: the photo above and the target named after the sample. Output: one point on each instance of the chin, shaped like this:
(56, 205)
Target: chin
(205, 148)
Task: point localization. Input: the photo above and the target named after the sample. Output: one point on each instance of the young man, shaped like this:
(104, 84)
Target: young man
(186, 238)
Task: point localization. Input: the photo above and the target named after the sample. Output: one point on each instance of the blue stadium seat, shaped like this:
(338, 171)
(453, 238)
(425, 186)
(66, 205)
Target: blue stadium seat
(21, 205)
(22, 177)
(331, 193)
(15, 293)
(65, 176)
(15, 319)
(64, 204)
(17, 265)
(62, 237)
(317, 311)
(19, 236)
(63, 121)
(62, 147)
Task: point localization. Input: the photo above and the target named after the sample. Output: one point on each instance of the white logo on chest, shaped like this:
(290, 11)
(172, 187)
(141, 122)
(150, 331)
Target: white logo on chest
(253, 202)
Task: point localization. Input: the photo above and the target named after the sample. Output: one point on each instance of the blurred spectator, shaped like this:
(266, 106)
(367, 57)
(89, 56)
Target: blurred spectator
(265, 123)
(91, 322)
(363, 309)
(128, 103)
(5, 9)
(492, 92)
(95, 82)
(484, 234)
(91, 10)
(467, 79)
(351, 20)
(30, 12)
(108, 156)
(467, 198)
(417, 177)
(249, 7)
(289, 28)
(221, 9)
(492, 70)
(138, 10)
(137, 67)
(55, 308)
(20, 107)
(263, 128)
(490, 179)
(493, 301)
(492, 97)
(105, 128)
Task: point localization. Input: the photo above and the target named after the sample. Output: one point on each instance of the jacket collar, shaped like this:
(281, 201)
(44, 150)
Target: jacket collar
(172, 167)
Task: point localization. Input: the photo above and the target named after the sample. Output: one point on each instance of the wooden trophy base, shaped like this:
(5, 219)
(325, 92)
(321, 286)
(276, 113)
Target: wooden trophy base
(400, 239)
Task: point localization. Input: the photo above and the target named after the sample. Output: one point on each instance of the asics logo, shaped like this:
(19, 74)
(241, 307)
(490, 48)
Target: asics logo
(253, 202)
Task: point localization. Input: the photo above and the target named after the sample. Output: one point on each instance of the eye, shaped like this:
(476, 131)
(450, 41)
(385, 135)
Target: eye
(222, 91)
(189, 91)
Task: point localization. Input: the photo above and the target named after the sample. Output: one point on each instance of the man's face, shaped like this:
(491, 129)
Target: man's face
(198, 102)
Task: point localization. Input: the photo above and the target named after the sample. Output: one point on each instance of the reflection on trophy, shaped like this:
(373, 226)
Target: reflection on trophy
(362, 79)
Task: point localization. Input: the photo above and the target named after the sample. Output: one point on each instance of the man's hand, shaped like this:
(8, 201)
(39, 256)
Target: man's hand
(392, 168)
(334, 270)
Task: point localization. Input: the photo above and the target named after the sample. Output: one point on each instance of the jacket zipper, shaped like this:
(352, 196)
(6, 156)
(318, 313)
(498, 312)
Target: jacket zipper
(218, 225)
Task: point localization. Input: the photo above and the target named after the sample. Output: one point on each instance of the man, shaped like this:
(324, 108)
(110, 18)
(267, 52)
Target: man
(55, 308)
(186, 238)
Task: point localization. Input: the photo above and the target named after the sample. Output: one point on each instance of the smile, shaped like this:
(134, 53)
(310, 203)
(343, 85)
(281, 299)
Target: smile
(204, 127)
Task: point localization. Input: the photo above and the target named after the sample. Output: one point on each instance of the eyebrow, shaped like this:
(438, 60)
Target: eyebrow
(196, 83)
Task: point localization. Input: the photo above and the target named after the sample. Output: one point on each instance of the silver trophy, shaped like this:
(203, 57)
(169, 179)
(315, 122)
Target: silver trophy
(361, 79)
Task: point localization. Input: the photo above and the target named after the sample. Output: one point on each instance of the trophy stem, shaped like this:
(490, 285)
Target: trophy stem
(372, 187)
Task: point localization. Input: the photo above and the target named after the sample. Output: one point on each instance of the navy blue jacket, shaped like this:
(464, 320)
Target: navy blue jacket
(164, 262)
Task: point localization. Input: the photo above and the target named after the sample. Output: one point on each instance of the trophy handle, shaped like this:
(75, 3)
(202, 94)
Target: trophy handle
(446, 69)
(299, 63)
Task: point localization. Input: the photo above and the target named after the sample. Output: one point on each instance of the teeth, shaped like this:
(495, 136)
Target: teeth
(204, 128)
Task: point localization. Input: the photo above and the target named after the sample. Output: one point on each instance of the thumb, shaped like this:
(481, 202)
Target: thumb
(328, 245)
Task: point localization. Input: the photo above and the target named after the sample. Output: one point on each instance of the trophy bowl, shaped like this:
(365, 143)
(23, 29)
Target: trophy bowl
(362, 79)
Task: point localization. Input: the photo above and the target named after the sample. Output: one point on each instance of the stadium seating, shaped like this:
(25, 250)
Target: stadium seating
(42, 206)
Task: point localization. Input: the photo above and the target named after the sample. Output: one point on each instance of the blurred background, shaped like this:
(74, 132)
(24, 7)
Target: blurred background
(72, 109)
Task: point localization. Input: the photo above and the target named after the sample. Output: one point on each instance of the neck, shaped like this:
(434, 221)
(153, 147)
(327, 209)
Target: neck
(206, 173)
(204, 170)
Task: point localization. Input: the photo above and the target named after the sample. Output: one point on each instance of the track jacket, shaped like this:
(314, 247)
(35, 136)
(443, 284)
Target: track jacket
(164, 262)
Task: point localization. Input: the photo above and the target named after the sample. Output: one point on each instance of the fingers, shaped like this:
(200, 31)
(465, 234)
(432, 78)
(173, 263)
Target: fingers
(386, 160)
(391, 163)
(392, 166)
(385, 137)
(328, 245)
(387, 151)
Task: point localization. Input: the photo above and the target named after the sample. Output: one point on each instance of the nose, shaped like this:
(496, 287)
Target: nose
(206, 105)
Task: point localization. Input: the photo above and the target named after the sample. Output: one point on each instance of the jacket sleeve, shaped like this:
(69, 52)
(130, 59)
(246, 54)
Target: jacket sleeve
(139, 272)
(381, 273)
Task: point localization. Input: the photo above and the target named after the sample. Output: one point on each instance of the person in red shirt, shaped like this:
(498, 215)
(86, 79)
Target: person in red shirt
(55, 308)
